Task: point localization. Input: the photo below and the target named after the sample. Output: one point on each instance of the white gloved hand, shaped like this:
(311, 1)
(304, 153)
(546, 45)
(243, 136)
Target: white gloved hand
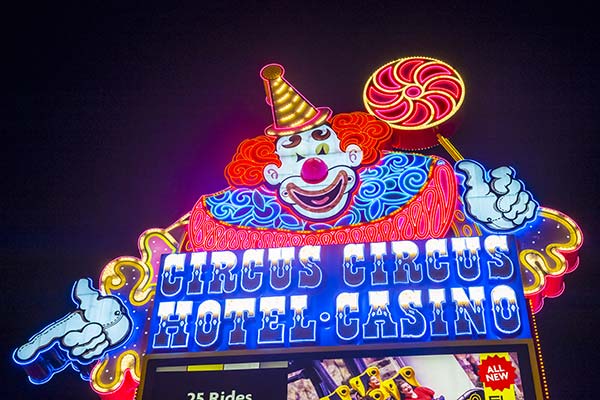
(98, 324)
(499, 203)
(87, 343)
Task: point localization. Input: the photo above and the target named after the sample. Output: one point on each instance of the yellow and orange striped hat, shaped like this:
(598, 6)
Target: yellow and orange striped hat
(291, 111)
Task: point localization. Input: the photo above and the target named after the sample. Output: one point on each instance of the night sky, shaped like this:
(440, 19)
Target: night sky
(116, 119)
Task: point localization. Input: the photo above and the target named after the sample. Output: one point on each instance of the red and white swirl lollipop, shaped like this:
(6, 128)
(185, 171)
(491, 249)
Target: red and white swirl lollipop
(416, 96)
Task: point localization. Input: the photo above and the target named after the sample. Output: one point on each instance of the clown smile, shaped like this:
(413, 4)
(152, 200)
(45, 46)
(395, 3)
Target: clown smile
(315, 176)
(323, 200)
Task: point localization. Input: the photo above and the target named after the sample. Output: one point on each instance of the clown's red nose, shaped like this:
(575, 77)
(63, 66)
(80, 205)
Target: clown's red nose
(314, 170)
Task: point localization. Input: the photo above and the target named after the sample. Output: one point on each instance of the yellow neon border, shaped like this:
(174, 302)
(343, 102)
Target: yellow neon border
(553, 252)
(112, 278)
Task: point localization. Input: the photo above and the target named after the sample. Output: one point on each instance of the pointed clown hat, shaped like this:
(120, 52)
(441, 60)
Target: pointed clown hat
(292, 113)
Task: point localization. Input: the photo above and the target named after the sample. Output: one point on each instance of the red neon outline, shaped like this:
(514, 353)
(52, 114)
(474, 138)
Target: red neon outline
(428, 215)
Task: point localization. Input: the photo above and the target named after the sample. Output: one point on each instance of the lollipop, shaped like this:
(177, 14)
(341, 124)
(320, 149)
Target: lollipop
(416, 96)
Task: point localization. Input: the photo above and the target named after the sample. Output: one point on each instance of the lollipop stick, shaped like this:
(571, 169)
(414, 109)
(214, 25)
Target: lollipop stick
(449, 147)
(399, 93)
(455, 154)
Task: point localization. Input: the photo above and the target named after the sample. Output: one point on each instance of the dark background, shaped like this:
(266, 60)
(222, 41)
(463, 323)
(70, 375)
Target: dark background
(116, 119)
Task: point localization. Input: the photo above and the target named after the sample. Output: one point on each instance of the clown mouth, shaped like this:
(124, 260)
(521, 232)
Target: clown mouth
(320, 200)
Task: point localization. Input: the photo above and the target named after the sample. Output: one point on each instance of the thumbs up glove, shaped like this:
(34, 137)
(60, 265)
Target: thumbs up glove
(496, 199)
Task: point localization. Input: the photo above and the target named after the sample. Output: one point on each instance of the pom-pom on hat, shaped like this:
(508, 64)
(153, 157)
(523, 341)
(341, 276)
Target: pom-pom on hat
(291, 111)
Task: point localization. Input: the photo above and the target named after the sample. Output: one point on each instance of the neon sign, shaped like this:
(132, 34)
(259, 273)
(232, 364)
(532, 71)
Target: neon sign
(496, 199)
(99, 324)
(340, 294)
(417, 96)
(327, 235)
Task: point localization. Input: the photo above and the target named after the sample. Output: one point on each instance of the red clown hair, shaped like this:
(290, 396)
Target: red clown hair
(359, 128)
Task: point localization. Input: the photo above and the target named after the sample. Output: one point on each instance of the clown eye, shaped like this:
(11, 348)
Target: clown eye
(299, 157)
(294, 141)
(319, 134)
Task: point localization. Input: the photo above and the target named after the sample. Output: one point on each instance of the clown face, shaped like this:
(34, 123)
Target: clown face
(316, 176)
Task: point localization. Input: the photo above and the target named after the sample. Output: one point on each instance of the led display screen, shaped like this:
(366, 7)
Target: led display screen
(458, 373)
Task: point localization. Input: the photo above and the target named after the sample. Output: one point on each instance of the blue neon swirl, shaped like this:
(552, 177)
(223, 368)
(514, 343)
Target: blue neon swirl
(383, 189)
